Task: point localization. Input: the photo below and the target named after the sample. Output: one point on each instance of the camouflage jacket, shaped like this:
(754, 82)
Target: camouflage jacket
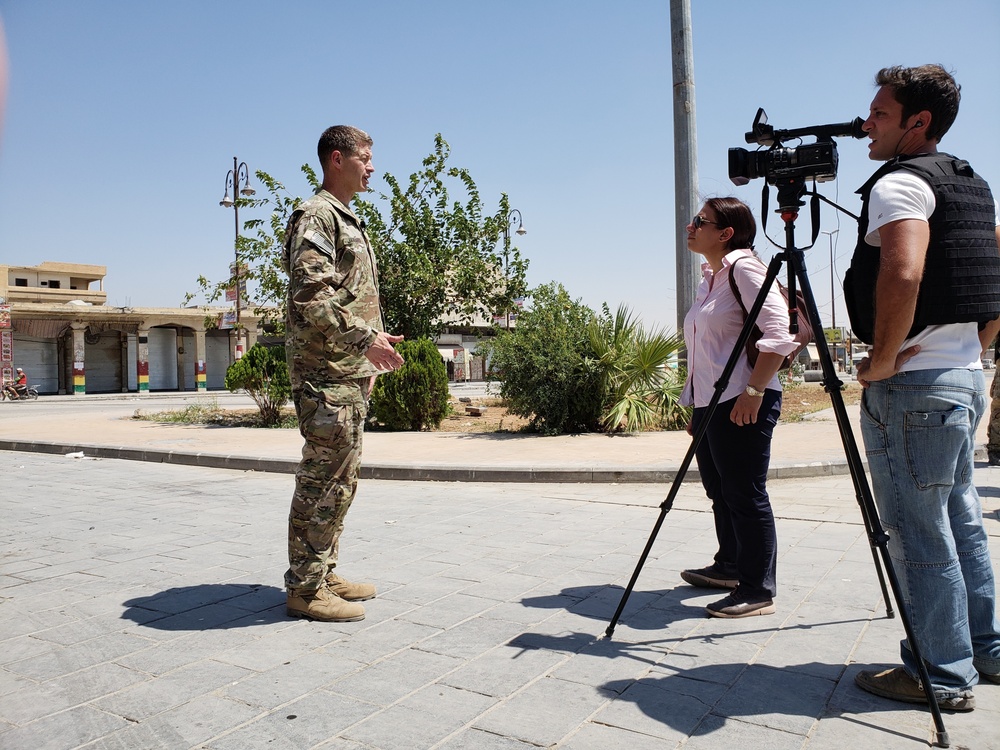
(333, 311)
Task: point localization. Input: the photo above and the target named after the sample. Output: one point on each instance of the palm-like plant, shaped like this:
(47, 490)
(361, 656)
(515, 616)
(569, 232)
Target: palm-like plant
(641, 391)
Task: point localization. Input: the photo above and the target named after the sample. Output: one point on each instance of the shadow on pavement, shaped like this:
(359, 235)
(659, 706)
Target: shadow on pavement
(700, 700)
(208, 606)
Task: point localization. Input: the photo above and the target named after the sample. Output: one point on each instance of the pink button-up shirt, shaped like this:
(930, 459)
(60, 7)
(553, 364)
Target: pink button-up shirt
(713, 324)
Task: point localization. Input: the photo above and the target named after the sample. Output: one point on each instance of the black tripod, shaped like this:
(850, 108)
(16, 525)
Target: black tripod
(789, 200)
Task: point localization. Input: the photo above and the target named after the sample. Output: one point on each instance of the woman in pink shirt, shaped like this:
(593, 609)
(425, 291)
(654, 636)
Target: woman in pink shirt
(734, 454)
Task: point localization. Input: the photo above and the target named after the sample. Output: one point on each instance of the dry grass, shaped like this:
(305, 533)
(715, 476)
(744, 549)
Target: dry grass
(800, 399)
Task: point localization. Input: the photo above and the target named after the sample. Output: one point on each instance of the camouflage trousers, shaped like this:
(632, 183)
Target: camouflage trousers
(332, 420)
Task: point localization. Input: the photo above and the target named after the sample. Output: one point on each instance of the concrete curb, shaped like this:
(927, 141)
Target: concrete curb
(404, 472)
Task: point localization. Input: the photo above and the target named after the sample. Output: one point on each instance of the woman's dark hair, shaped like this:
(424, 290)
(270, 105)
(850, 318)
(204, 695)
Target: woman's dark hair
(734, 213)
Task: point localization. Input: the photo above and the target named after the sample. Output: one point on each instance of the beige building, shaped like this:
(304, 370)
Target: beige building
(56, 324)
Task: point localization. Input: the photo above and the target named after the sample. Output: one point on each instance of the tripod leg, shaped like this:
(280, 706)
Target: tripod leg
(876, 533)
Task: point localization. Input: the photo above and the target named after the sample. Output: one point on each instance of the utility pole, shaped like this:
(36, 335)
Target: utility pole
(685, 155)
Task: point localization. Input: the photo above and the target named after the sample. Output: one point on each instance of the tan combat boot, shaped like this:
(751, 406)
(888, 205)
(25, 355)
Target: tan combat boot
(324, 606)
(352, 592)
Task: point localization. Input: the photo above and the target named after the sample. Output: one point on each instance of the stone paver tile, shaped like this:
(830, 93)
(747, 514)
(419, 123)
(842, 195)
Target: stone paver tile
(187, 725)
(292, 680)
(720, 732)
(65, 660)
(389, 680)
(422, 720)
(373, 643)
(475, 739)
(783, 699)
(665, 707)
(596, 736)
(472, 638)
(450, 610)
(503, 671)
(59, 731)
(544, 712)
(304, 723)
(147, 699)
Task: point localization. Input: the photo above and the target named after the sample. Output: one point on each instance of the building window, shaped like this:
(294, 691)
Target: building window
(53, 285)
(20, 282)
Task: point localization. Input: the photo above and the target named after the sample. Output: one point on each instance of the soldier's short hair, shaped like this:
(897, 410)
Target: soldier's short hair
(343, 138)
(928, 87)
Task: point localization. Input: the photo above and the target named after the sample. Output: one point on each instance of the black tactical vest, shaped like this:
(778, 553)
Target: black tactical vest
(961, 281)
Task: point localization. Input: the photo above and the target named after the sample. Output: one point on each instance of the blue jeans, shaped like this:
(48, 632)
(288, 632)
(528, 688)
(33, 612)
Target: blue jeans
(733, 462)
(919, 431)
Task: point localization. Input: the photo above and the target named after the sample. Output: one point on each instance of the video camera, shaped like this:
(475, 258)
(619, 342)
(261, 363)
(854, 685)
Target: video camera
(781, 165)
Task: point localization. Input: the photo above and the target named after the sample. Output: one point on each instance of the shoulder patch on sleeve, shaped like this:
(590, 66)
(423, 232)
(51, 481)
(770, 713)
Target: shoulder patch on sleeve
(321, 242)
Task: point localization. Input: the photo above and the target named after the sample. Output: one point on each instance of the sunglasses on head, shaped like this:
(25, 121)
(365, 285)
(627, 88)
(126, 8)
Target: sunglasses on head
(699, 221)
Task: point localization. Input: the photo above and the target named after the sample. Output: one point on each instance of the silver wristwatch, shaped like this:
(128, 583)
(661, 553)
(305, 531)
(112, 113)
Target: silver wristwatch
(751, 391)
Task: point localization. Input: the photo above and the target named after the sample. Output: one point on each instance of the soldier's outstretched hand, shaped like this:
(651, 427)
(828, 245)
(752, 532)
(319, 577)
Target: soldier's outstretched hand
(382, 355)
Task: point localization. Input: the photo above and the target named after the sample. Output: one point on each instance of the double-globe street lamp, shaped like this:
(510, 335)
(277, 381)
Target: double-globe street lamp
(507, 226)
(237, 176)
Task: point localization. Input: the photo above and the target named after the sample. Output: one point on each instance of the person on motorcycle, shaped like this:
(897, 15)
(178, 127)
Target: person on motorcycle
(19, 387)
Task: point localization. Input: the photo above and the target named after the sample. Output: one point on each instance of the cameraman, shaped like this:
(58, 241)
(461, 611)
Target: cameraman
(924, 289)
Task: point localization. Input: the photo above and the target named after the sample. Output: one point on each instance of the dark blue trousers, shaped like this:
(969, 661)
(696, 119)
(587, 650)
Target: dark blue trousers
(733, 462)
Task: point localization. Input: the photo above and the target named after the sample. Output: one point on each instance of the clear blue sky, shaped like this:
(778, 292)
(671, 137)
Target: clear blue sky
(123, 118)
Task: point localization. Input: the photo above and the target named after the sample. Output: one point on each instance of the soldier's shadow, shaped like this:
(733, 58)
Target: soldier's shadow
(208, 606)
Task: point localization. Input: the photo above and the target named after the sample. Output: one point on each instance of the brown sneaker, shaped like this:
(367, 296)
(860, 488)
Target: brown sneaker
(899, 686)
(324, 606)
(352, 592)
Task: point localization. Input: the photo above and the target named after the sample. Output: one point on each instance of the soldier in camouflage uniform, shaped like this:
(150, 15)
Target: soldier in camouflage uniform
(336, 344)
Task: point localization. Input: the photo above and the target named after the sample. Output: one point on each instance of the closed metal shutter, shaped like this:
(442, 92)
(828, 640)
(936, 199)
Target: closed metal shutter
(162, 359)
(103, 362)
(39, 358)
(216, 359)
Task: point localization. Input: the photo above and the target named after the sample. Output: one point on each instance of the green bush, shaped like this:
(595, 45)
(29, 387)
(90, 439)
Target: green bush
(546, 366)
(416, 395)
(263, 373)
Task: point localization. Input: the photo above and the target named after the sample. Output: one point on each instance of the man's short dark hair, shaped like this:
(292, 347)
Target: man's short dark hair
(928, 87)
(342, 138)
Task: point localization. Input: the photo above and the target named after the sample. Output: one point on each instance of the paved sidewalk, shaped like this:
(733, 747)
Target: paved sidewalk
(812, 447)
(141, 607)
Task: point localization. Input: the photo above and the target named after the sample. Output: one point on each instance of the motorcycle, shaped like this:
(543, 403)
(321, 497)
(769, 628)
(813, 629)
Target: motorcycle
(29, 393)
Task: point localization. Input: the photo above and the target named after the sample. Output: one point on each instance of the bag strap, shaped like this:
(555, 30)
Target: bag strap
(736, 289)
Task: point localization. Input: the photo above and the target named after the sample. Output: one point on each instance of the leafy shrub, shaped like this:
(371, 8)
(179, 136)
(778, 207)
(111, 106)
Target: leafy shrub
(263, 373)
(416, 395)
(545, 365)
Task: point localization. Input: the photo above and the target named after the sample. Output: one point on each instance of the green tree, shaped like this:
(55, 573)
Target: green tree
(259, 249)
(416, 395)
(438, 258)
(640, 390)
(263, 373)
(546, 366)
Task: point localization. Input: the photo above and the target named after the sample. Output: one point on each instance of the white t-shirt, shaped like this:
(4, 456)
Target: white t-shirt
(904, 195)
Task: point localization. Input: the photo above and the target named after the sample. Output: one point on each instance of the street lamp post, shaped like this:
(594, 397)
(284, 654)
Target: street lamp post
(239, 174)
(833, 303)
(514, 213)
(833, 299)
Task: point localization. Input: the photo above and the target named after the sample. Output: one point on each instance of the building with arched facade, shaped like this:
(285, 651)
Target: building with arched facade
(55, 324)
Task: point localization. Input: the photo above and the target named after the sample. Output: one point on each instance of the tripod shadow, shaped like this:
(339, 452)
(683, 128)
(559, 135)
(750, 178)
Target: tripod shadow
(646, 610)
(208, 606)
